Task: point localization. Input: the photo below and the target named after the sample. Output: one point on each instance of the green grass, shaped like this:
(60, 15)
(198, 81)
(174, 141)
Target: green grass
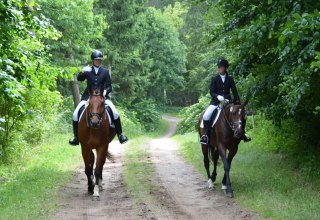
(265, 182)
(29, 188)
(138, 170)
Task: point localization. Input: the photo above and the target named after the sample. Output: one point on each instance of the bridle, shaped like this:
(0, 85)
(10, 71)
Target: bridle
(229, 120)
(101, 116)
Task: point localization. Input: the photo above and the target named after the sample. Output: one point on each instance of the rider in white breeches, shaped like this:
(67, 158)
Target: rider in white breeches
(107, 102)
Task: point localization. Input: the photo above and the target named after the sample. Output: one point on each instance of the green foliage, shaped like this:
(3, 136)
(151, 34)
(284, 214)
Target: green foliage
(277, 43)
(147, 113)
(190, 115)
(144, 51)
(22, 53)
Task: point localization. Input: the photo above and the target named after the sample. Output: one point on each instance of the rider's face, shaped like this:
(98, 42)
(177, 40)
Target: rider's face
(222, 70)
(97, 62)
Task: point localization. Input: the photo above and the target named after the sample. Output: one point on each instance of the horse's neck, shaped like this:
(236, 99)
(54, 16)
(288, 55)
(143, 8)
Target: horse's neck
(225, 120)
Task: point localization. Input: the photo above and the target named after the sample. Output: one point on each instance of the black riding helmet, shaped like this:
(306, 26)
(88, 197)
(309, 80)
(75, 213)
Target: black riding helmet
(96, 55)
(223, 63)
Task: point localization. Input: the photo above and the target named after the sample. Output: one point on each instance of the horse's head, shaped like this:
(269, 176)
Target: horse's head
(96, 108)
(237, 117)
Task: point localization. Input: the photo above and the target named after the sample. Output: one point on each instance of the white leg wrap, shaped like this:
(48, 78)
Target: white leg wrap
(113, 108)
(223, 187)
(210, 183)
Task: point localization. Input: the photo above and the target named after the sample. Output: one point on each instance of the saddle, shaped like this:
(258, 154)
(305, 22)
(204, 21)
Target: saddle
(214, 117)
(108, 110)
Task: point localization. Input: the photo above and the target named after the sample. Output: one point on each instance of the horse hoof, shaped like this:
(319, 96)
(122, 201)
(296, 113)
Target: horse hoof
(210, 184)
(95, 198)
(229, 194)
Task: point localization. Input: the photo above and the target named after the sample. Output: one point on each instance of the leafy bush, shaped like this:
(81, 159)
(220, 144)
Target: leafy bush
(147, 113)
(190, 115)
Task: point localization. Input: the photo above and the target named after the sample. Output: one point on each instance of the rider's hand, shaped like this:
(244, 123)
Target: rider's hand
(220, 98)
(86, 69)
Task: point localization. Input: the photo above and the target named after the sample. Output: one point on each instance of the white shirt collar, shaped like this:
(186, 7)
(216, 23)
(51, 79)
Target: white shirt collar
(223, 77)
(96, 69)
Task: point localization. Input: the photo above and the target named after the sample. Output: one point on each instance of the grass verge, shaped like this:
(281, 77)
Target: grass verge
(139, 171)
(29, 189)
(265, 182)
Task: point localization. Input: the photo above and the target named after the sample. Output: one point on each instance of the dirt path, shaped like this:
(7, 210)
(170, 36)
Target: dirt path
(115, 201)
(186, 186)
(179, 191)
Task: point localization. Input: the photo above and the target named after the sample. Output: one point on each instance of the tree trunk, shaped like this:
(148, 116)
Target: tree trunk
(75, 91)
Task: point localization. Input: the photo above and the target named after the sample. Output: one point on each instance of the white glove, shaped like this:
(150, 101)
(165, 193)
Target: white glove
(86, 69)
(220, 98)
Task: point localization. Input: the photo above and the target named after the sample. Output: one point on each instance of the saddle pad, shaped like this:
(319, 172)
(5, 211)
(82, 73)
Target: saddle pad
(83, 108)
(214, 121)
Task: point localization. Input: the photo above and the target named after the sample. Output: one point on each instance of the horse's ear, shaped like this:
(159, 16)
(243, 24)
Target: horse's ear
(245, 102)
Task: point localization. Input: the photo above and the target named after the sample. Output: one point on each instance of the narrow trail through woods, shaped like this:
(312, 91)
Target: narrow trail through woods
(180, 193)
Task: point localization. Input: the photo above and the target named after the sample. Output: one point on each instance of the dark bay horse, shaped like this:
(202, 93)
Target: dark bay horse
(95, 133)
(224, 136)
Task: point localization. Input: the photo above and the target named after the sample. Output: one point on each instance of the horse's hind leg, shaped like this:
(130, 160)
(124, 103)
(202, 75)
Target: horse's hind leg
(206, 162)
(215, 158)
(88, 158)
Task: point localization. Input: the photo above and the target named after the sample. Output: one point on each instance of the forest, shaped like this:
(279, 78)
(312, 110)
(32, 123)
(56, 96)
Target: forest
(162, 55)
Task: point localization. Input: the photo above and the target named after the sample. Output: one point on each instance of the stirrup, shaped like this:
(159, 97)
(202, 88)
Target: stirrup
(246, 139)
(204, 139)
(74, 142)
(123, 139)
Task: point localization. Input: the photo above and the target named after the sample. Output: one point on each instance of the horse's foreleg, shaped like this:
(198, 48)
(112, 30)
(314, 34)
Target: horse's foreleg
(222, 152)
(101, 158)
(206, 162)
(215, 158)
(231, 155)
(88, 158)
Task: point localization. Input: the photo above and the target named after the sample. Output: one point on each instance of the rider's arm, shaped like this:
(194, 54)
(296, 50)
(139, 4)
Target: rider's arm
(82, 76)
(234, 91)
(108, 84)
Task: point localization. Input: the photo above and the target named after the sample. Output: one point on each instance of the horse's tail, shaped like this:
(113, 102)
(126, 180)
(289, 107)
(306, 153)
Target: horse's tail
(110, 157)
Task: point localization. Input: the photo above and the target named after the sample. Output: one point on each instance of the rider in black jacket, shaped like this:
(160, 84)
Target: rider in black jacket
(96, 77)
(220, 87)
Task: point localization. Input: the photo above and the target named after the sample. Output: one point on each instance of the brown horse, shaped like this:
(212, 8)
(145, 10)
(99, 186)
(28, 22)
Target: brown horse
(225, 135)
(95, 133)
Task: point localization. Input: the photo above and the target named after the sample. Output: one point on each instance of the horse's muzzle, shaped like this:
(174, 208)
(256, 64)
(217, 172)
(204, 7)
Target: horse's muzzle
(238, 134)
(95, 123)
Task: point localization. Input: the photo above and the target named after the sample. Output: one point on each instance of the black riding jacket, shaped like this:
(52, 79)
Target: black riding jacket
(95, 81)
(218, 87)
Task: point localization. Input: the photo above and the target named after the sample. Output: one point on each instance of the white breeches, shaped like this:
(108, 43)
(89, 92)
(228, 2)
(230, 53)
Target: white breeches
(76, 111)
(208, 112)
(113, 108)
(107, 102)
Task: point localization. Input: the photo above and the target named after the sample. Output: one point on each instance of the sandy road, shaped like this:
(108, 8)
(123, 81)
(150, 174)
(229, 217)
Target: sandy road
(181, 192)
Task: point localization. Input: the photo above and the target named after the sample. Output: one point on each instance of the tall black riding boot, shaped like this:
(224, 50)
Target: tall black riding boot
(122, 139)
(75, 140)
(244, 137)
(205, 138)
